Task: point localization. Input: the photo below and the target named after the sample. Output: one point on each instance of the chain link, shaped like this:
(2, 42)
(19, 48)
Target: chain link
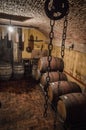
(50, 48)
(64, 35)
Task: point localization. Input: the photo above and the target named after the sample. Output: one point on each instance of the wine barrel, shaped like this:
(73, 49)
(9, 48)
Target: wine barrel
(5, 71)
(36, 73)
(72, 108)
(64, 87)
(56, 64)
(54, 76)
(18, 70)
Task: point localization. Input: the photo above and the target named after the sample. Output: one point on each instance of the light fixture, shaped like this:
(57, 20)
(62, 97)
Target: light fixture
(10, 28)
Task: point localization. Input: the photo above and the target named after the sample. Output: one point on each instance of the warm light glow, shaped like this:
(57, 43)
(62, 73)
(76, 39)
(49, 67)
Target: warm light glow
(10, 29)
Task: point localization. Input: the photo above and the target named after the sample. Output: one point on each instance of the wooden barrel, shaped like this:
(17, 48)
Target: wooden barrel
(5, 71)
(18, 70)
(54, 76)
(72, 108)
(36, 73)
(64, 88)
(56, 64)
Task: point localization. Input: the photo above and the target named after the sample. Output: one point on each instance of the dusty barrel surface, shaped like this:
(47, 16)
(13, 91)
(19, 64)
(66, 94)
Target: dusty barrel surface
(36, 73)
(72, 107)
(54, 76)
(64, 87)
(18, 70)
(5, 71)
(56, 64)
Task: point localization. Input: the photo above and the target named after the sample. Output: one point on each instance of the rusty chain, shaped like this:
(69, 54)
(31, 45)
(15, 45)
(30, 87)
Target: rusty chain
(50, 48)
(65, 24)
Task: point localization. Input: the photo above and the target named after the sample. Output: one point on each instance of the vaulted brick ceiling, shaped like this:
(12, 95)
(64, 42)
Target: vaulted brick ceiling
(34, 10)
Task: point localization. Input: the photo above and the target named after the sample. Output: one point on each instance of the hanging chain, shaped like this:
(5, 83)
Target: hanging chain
(50, 48)
(62, 55)
(64, 35)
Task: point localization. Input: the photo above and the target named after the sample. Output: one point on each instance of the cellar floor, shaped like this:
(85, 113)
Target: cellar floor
(22, 106)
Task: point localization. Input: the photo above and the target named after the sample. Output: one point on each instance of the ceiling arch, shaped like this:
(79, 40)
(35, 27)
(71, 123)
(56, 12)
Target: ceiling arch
(35, 15)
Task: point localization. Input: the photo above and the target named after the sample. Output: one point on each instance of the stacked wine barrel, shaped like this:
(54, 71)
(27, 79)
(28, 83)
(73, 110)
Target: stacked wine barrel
(36, 55)
(66, 96)
(39, 69)
(5, 71)
(72, 108)
(56, 73)
(56, 64)
(56, 89)
(9, 71)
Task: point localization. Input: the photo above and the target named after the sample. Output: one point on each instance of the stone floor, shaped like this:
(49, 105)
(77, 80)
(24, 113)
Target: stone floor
(22, 107)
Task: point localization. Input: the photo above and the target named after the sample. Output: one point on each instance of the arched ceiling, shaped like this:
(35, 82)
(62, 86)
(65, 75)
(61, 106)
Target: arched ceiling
(34, 10)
